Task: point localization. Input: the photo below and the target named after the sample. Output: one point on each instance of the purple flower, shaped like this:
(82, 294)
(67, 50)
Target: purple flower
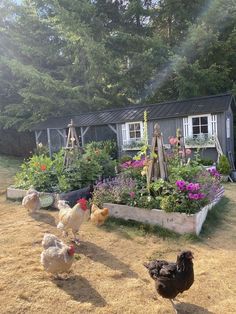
(213, 172)
(181, 185)
(197, 196)
(193, 187)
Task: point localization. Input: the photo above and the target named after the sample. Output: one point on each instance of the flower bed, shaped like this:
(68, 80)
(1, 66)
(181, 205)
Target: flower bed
(179, 222)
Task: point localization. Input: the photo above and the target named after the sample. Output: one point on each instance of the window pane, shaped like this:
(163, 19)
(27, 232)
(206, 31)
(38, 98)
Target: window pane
(196, 130)
(204, 129)
(131, 127)
(137, 126)
(132, 134)
(195, 121)
(138, 134)
(204, 120)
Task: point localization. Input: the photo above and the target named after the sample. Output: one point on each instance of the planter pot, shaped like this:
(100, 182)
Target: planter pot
(233, 175)
(178, 222)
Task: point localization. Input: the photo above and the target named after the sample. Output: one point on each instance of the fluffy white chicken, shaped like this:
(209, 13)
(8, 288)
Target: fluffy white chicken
(31, 201)
(72, 218)
(57, 259)
(51, 240)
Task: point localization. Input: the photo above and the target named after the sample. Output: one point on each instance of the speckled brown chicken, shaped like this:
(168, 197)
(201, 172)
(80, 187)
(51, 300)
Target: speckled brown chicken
(172, 278)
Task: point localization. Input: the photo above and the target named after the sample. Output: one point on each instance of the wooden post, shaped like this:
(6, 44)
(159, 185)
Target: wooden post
(72, 145)
(49, 143)
(158, 166)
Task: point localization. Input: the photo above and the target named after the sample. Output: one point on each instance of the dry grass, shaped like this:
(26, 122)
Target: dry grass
(109, 277)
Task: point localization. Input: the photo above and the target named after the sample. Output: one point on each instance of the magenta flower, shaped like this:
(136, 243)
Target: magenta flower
(193, 187)
(181, 185)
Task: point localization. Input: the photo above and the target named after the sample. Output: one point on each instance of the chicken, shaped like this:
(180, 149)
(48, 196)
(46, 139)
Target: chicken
(73, 196)
(31, 201)
(57, 260)
(51, 240)
(72, 218)
(98, 216)
(172, 278)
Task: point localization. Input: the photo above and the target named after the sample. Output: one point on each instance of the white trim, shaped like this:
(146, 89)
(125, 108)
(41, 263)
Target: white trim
(228, 127)
(126, 133)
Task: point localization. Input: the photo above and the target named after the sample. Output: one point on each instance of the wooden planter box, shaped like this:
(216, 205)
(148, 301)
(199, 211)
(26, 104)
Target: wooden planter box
(178, 222)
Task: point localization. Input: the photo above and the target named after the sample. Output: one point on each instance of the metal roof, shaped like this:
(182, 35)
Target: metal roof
(170, 109)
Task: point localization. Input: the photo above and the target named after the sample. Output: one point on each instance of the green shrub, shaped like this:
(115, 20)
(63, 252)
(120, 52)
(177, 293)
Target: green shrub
(223, 166)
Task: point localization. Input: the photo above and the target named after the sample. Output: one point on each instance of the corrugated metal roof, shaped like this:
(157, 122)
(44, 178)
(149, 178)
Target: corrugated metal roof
(171, 109)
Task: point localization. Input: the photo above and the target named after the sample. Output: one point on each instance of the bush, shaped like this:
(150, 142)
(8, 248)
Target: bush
(223, 166)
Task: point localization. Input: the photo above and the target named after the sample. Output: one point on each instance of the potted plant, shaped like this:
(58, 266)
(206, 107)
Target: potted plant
(224, 168)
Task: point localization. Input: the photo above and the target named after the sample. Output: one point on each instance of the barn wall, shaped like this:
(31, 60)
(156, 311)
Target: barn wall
(99, 133)
(14, 143)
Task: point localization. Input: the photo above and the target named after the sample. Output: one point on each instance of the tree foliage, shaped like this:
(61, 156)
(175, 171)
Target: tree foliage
(59, 57)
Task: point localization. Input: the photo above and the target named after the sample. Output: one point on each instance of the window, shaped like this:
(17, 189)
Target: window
(200, 130)
(199, 126)
(132, 133)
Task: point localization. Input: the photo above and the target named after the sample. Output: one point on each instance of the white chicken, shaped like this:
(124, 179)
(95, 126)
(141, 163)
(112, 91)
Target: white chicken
(31, 201)
(57, 258)
(72, 218)
(51, 240)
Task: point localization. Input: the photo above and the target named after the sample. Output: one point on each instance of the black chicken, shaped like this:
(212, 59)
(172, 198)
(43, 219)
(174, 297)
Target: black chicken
(172, 278)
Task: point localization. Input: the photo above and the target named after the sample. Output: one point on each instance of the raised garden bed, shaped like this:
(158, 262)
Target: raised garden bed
(178, 222)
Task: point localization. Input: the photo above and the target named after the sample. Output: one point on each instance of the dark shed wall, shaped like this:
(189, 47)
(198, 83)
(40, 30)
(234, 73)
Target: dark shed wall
(15, 143)
(99, 133)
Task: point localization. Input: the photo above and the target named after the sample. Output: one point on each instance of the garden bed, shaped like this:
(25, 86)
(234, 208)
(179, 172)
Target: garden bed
(178, 222)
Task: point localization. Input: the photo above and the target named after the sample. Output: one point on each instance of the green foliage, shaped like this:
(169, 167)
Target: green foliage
(223, 166)
(101, 156)
(37, 172)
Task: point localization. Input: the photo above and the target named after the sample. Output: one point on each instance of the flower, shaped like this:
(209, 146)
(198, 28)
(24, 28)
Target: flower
(188, 151)
(173, 140)
(132, 194)
(181, 185)
(193, 187)
(197, 196)
(43, 167)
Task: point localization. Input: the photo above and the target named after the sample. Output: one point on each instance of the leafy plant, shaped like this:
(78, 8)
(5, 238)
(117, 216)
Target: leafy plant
(223, 166)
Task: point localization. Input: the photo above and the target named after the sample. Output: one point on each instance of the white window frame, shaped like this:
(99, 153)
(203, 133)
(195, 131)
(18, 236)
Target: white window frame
(126, 133)
(188, 126)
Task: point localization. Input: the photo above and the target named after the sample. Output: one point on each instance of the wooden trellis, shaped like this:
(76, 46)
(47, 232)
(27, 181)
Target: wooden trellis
(72, 145)
(158, 164)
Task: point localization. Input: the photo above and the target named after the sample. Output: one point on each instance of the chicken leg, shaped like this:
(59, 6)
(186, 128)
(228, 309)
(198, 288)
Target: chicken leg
(174, 306)
(76, 240)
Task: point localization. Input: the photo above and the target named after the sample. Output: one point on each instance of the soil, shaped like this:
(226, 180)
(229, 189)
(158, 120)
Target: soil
(110, 277)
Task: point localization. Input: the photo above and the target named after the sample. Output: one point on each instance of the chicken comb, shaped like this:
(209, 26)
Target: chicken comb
(82, 202)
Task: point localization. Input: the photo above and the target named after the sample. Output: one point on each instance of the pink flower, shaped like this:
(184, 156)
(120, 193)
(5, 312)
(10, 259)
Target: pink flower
(132, 194)
(173, 140)
(188, 151)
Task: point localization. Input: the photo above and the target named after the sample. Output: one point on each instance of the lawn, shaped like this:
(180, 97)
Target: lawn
(109, 277)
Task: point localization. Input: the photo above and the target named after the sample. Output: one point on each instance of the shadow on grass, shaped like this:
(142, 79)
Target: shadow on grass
(81, 290)
(130, 228)
(44, 217)
(188, 308)
(215, 217)
(98, 254)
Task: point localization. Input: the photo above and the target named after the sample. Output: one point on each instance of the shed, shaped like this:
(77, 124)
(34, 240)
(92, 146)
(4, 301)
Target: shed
(206, 122)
